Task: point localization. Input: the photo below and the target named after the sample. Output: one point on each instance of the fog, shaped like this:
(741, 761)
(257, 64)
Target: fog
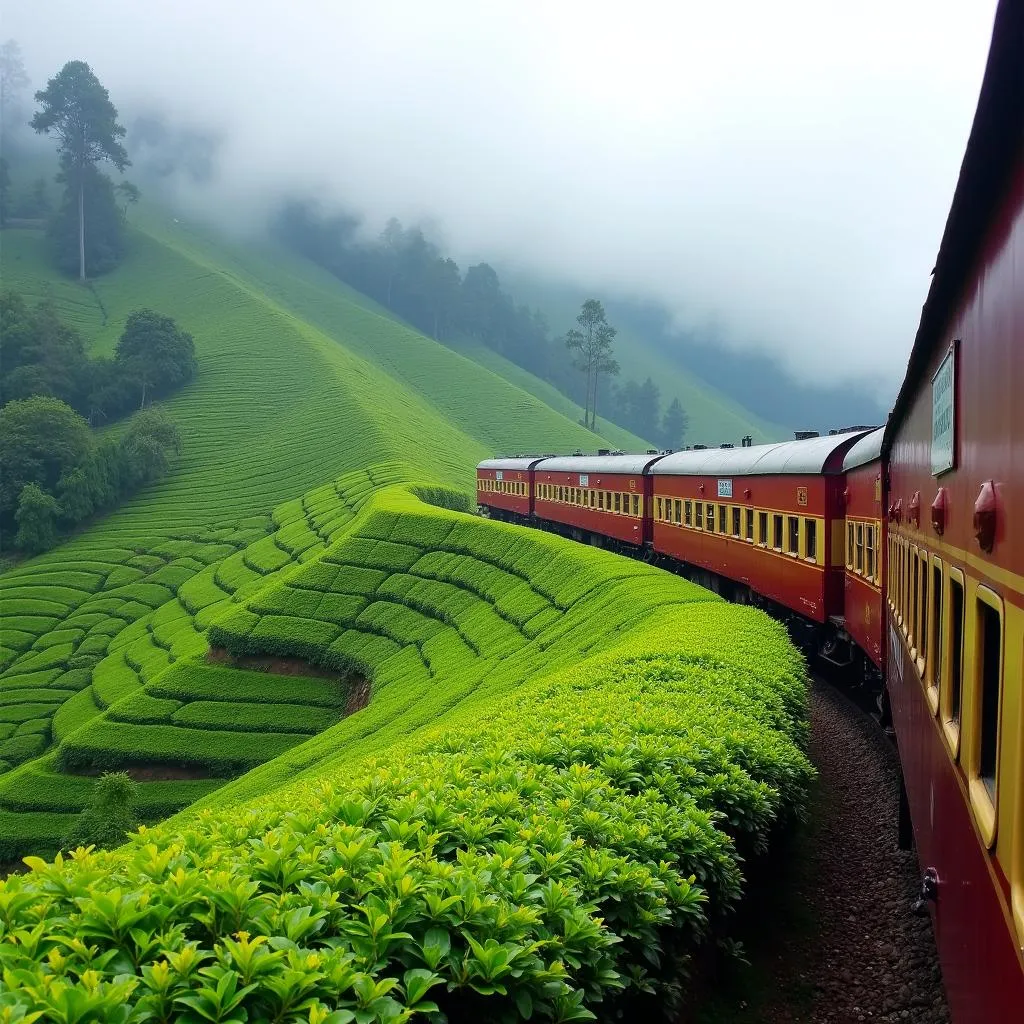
(779, 171)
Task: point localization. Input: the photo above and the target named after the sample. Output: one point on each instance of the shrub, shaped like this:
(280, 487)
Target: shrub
(110, 814)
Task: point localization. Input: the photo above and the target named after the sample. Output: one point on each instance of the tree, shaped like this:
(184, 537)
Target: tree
(77, 110)
(591, 342)
(104, 241)
(673, 426)
(159, 355)
(13, 79)
(647, 421)
(5, 190)
(40, 439)
(129, 195)
(37, 520)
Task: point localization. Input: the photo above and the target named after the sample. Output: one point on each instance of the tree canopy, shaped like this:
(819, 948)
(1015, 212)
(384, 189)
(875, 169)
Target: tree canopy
(158, 355)
(76, 110)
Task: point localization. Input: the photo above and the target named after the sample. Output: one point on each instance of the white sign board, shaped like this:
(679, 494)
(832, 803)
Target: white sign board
(725, 488)
(584, 479)
(499, 475)
(943, 414)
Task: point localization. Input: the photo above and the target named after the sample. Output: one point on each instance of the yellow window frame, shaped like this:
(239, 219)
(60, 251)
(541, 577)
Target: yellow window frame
(983, 803)
(936, 646)
(951, 727)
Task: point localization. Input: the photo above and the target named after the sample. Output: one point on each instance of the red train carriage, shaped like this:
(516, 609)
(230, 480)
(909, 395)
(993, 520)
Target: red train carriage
(504, 486)
(601, 494)
(865, 547)
(955, 594)
(762, 516)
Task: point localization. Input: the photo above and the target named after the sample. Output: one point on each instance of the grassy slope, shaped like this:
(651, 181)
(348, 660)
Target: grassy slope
(278, 407)
(714, 418)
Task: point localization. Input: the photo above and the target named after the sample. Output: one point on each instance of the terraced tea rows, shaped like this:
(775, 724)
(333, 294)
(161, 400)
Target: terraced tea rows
(108, 642)
(544, 804)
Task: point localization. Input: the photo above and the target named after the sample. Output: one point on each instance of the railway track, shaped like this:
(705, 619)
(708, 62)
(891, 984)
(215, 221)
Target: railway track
(845, 945)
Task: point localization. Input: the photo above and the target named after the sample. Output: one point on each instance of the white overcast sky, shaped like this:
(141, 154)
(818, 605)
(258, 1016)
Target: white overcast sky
(780, 169)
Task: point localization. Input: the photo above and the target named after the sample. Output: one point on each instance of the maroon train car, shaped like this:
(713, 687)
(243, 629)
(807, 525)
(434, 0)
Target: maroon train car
(601, 494)
(763, 516)
(865, 549)
(504, 486)
(955, 595)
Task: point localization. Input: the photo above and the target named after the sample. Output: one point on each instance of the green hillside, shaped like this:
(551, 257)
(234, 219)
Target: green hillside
(281, 403)
(714, 417)
(395, 760)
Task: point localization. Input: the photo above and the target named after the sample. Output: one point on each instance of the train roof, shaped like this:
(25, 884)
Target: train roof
(993, 150)
(867, 449)
(527, 462)
(812, 455)
(628, 464)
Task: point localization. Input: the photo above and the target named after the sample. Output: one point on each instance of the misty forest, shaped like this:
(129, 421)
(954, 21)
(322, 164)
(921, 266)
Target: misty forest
(304, 716)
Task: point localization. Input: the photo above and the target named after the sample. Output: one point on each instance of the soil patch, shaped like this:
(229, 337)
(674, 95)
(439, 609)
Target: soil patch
(272, 664)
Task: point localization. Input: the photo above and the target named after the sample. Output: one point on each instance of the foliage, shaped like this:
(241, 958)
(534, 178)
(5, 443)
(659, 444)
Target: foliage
(37, 520)
(43, 355)
(110, 814)
(544, 849)
(76, 110)
(40, 439)
(156, 352)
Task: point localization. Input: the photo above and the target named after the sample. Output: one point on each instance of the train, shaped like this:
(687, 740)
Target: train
(890, 552)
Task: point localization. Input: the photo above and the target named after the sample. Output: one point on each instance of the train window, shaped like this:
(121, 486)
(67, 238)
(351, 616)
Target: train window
(989, 676)
(735, 522)
(922, 612)
(849, 545)
(858, 561)
(935, 634)
(952, 695)
(793, 535)
(699, 521)
(618, 501)
(723, 525)
(777, 526)
(688, 513)
(710, 518)
(811, 533)
(750, 524)
(660, 506)
(636, 505)
(872, 554)
(593, 496)
(600, 499)
(677, 511)
(762, 528)
(915, 599)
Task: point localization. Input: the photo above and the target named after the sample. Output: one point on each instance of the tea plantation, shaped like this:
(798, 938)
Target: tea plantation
(541, 813)
(544, 806)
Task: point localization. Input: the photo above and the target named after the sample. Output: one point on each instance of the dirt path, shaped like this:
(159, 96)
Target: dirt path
(831, 938)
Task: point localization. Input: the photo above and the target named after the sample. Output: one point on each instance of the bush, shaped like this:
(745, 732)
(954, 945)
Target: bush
(110, 815)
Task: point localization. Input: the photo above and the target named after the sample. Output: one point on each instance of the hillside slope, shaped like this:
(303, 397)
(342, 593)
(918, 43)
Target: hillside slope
(280, 404)
(714, 416)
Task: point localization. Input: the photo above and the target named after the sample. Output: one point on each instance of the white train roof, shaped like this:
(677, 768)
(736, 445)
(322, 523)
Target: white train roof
(517, 463)
(807, 456)
(628, 464)
(867, 449)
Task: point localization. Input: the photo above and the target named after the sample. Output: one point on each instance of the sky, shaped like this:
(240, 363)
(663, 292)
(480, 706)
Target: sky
(779, 172)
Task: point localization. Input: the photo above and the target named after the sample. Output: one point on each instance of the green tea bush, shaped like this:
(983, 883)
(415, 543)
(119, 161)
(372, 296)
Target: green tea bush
(259, 717)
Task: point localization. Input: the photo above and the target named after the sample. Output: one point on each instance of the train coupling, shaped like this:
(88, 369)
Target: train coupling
(928, 893)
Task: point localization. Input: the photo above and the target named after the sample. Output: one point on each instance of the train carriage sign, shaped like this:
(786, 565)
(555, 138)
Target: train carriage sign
(584, 479)
(944, 414)
(725, 488)
(499, 474)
